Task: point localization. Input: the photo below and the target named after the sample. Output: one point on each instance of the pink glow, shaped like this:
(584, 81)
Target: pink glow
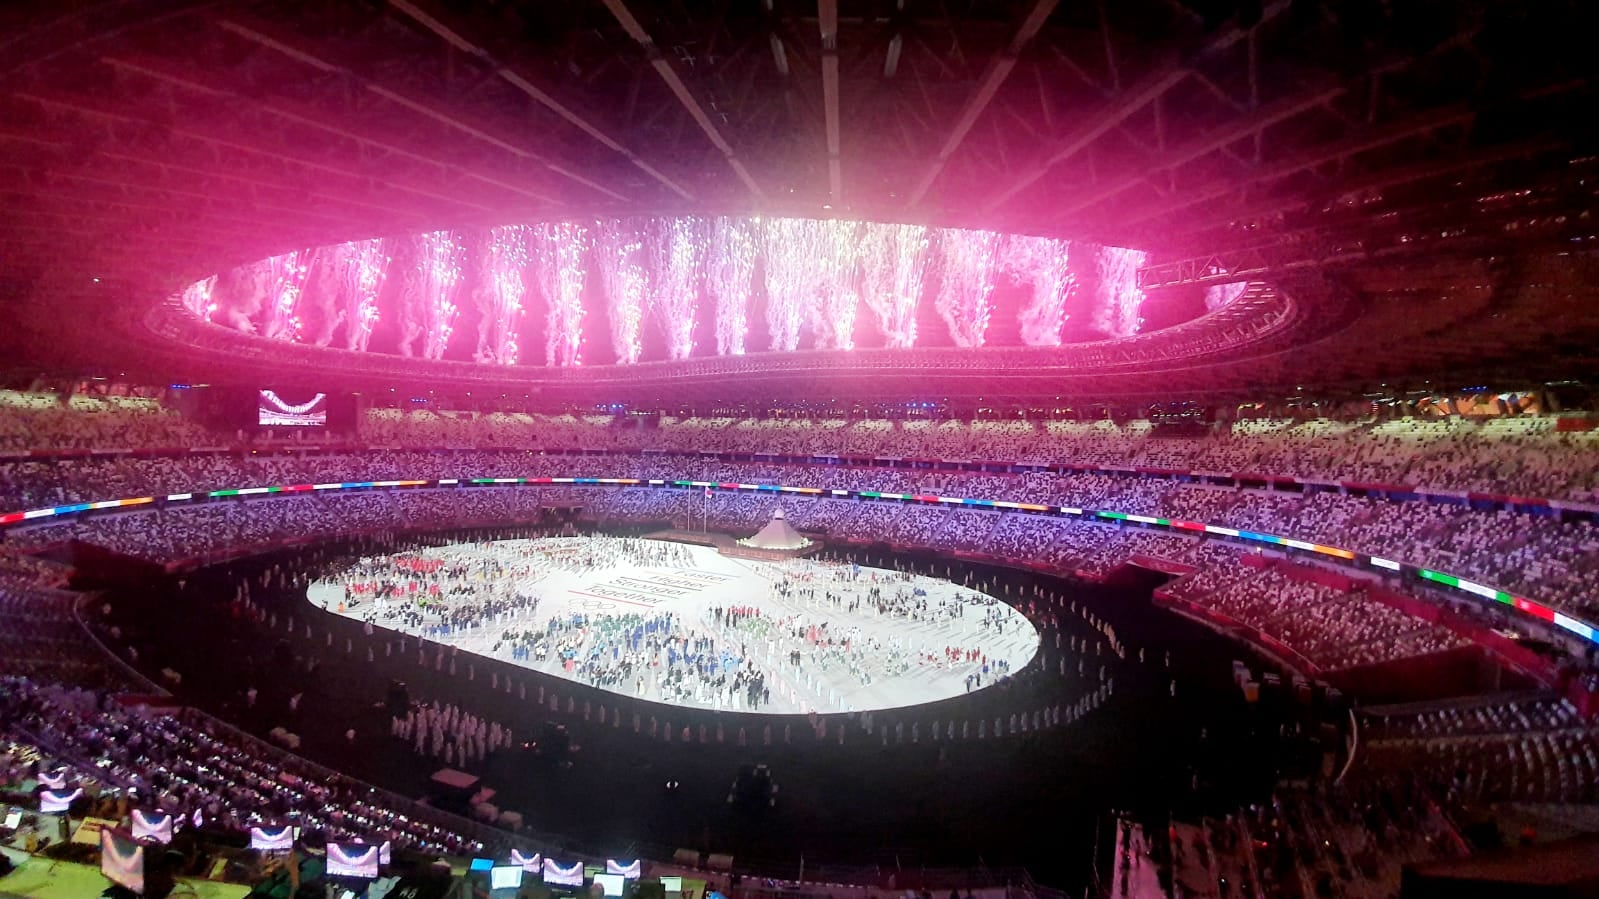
(1218, 296)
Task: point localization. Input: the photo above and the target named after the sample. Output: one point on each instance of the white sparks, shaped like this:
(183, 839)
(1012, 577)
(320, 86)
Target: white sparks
(558, 250)
(1044, 263)
(893, 269)
(729, 270)
(968, 260)
(618, 250)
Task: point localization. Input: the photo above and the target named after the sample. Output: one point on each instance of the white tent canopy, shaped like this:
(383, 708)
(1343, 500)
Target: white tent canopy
(778, 534)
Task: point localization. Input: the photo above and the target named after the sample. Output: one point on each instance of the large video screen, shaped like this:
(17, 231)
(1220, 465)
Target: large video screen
(272, 839)
(631, 870)
(563, 875)
(532, 864)
(122, 860)
(152, 825)
(505, 877)
(273, 411)
(57, 800)
(353, 860)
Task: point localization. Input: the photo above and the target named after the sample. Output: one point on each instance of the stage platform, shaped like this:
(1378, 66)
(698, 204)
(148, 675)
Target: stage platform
(816, 636)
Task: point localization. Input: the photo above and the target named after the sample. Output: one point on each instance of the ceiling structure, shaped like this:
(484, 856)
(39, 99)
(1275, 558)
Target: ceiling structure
(1420, 162)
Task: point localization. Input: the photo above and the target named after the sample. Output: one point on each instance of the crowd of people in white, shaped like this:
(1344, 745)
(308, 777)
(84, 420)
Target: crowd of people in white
(1333, 628)
(1522, 455)
(446, 732)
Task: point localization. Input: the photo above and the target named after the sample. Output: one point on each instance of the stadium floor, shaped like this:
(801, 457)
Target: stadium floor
(557, 570)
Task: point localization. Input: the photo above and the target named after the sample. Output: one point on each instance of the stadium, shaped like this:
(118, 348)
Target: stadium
(763, 449)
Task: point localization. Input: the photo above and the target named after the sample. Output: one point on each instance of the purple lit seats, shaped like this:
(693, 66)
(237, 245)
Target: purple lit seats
(190, 764)
(1333, 628)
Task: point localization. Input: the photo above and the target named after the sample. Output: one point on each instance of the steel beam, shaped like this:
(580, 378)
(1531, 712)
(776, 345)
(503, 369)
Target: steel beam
(324, 124)
(1315, 156)
(1121, 108)
(423, 108)
(538, 95)
(827, 23)
(1375, 181)
(679, 88)
(1124, 105)
(1208, 143)
(999, 69)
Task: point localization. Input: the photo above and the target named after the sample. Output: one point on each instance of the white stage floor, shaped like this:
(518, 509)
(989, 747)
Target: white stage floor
(639, 618)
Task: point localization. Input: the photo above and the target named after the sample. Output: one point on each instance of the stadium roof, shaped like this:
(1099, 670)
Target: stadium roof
(1419, 177)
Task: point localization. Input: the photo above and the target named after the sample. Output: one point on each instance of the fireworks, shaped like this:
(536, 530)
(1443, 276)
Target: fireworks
(893, 266)
(558, 249)
(197, 298)
(438, 277)
(816, 275)
(675, 247)
(286, 277)
(968, 261)
(729, 268)
(837, 288)
(365, 268)
(1044, 263)
(812, 270)
(502, 285)
(617, 252)
(789, 279)
(1119, 301)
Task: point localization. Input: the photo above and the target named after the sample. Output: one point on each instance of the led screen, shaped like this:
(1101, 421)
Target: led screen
(122, 860)
(672, 884)
(532, 864)
(57, 800)
(631, 870)
(273, 411)
(613, 884)
(152, 825)
(563, 875)
(271, 839)
(353, 860)
(508, 877)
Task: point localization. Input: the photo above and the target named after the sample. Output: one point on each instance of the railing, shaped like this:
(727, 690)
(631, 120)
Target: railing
(302, 766)
(132, 673)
